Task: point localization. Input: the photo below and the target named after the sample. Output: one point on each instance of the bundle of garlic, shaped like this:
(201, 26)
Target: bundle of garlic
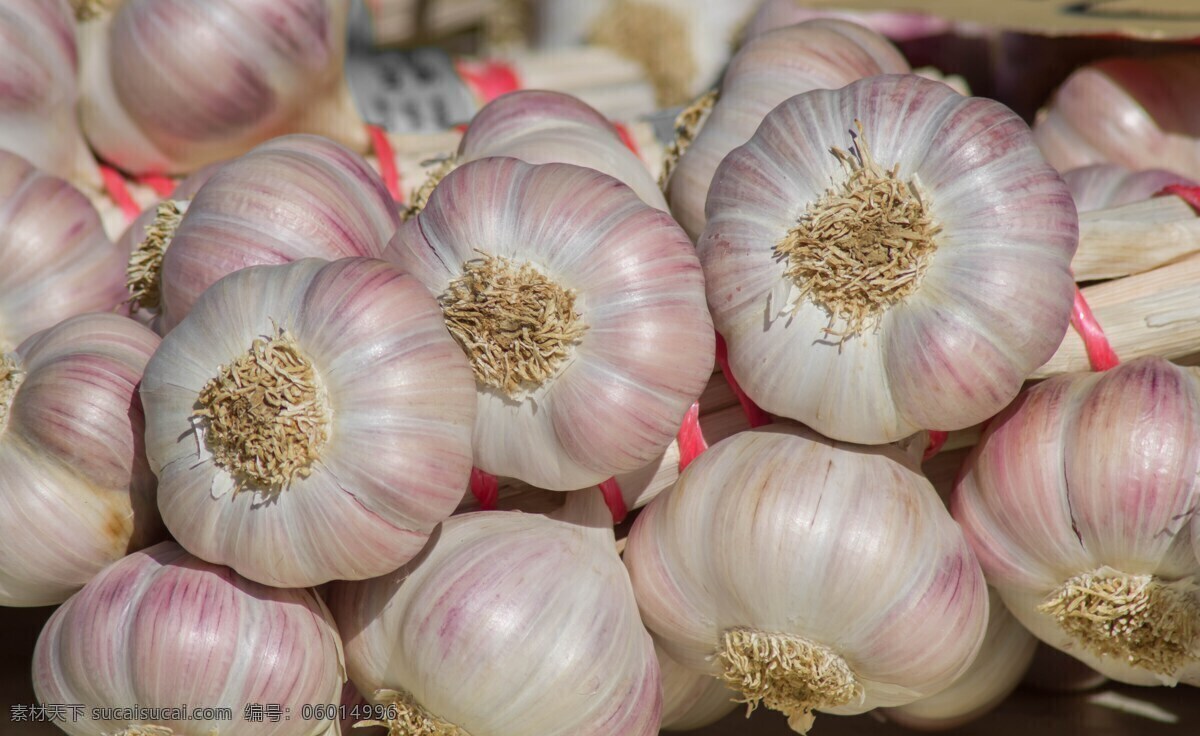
(506, 624)
(55, 260)
(164, 644)
(766, 71)
(1078, 503)
(170, 85)
(916, 292)
(785, 519)
(580, 307)
(75, 491)
(309, 422)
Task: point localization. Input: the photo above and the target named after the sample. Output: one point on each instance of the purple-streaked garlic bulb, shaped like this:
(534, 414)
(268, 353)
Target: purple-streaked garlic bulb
(75, 491)
(897, 26)
(171, 85)
(821, 54)
(691, 699)
(55, 260)
(506, 624)
(294, 197)
(309, 422)
(1100, 186)
(161, 631)
(809, 575)
(888, 257)
(39, 89)
(580, 307)
(1139, 113)
(1078, 501)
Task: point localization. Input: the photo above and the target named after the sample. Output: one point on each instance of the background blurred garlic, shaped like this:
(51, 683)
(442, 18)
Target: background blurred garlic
(945, 292)
(163, 630)
(581, 309)
(1099, 186)
(897, 26)
(1077, 502)
(170, 85)
(832, 577)
(309, 422)
(766, 71)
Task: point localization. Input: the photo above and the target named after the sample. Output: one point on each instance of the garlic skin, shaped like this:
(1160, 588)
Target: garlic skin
(1101, 186)
(75, 491)
(161, 629)
(1086, 480)
(168, 86)
(769, 69)
(691, 699)
(939, 339)
(379, 454)
(55, 260)
(774, 14)
(630, 339)
(841, 555)
(38, 70)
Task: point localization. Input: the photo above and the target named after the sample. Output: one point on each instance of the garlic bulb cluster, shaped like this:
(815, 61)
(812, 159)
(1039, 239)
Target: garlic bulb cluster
(897, 26)
(309, 422)
(163, 644)
(38, 90)
(75, 491)
(580, 307)
(1100, 186)
(170, 85)
(911, 281)
(832, 578)
(506, 624)
(55, 260)
(820, 54)
(1078, 501)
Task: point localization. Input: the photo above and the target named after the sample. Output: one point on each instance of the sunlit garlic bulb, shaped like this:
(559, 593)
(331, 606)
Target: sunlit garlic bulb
(580, 307)
(309, 422)
(821, 54)
(170, 85)
(1099, 186)
(924, 309)
(808, 575)
(1077, 502)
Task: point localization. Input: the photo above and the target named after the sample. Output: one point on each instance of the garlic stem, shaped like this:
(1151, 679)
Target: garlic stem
(88, 9)
(144, 272)
(658, 39)
(687, 126)
(410, 718)
(145, 731)
(10, 379)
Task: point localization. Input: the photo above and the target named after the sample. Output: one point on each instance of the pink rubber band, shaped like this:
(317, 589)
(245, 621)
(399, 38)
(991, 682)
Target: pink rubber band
(485, 488)
(488, 79)
(1191, 195)
(114, 184)
(691, 437)
(1100, 353)
(163, 186)
(614, 500)
(756, 416)
(387, 161)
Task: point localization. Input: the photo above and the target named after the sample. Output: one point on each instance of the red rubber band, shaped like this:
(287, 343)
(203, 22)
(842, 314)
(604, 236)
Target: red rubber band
(691, 437)
(114, 184)
(1191, 195)
(937, 438)
(163, 186)
(488, 79)
(756, 416)
(1100, 353)
(614, 500)
(485, 488)
(627, 138)
(387, 161)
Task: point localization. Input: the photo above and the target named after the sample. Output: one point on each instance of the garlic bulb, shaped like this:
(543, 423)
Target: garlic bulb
(1100, 186)
(897, 26)
(170, 85)
(507, 624)
(309, 422)
(691, 699)
(766, 71)
(163, 644)
(55, 260)
(832, 578)
(580, 307)
(1077, 502)
(294, 197)
(946, 291)
(38, 89)
(75, 491)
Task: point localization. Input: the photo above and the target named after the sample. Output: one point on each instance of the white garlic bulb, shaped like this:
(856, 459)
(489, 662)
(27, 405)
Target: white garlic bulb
(818, 54)
(832, 578)
(309, 422)
(170, 85)
(1100, 186)
(691, 699)
(1077, 503)
(163, 644)
(582, 311)
(925, 309)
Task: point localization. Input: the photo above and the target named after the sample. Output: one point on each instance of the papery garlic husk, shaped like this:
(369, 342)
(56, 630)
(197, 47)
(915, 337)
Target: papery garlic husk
(55, 260)
(1100, 186)
(356, 442)
(832, 578)
(691, 699)
(507, 624)
(1139, 113)
(615, 342)
(931, 319)
(75, 491)
(1007, 650)
(294, 197)
(1077, 502)
(171, 85)
(39, 87)
(898, 26)
(163, 630)
(820, 54)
